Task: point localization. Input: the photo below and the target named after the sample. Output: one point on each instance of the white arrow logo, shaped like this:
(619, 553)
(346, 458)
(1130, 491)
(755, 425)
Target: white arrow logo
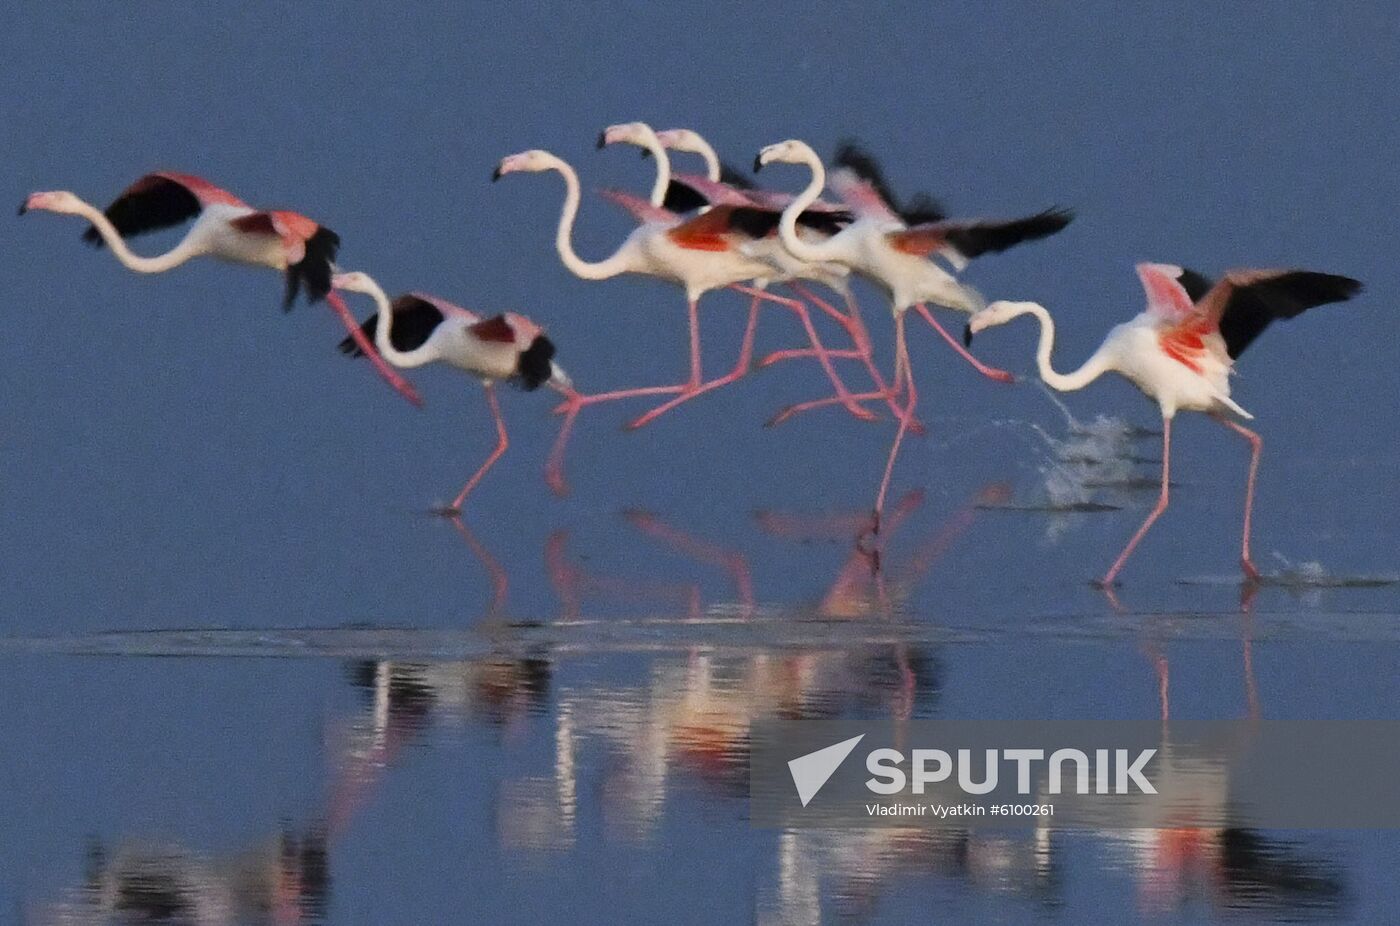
(811, 772)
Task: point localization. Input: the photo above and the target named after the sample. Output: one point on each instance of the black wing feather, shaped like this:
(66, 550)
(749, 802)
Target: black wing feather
(681, 197)
(994, 237)
(1195, 284)
(851, 155)
(534, 368)
(415, 320)
(314, 269)
(1286, 295)
(921, 208)
(731, 175)
(151, 203)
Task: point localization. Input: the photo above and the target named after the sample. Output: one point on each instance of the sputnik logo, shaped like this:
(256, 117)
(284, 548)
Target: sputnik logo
(812, 771)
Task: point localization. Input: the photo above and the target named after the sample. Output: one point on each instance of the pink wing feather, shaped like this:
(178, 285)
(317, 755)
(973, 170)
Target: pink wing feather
(640, 209)
(861, 196)
(1166, 297)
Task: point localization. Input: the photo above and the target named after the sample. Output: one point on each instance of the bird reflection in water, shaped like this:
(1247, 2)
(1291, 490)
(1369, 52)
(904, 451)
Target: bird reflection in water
(283, 881)
(1228, 866)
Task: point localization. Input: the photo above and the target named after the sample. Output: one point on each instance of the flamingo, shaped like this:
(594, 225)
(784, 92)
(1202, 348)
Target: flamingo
(699, 255)
(724, 185)
(881, 246)
(506, 347)
(225, 228)
(752, 228)
(1180, 352)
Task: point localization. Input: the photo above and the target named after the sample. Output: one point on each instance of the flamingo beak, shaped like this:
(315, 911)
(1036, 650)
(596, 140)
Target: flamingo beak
(967, 335)
(23, 208)
(758, 162)
(602, 140)
(496, 174)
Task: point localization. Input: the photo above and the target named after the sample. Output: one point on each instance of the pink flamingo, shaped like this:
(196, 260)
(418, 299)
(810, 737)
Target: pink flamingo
(1181, 351)
(724, 185)
(895, 256)
(225, 228)
(699, 255)
(752, 227)
(417, 329)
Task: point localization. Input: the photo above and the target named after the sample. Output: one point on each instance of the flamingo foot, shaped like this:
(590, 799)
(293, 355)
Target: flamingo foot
(1251, 574)
(446, 511)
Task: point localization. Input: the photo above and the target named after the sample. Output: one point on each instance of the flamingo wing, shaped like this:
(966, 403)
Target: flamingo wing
(1244, 303)
(736, 178)
(861, 184)
(415, 320)
(640, 209)
(311, 251)
(688, 192)
(975, 238)
(709, 231)
(153, 202)
(494, 329)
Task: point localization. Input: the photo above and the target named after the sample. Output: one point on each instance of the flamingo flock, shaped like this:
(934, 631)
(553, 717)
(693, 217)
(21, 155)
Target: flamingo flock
(717, 230)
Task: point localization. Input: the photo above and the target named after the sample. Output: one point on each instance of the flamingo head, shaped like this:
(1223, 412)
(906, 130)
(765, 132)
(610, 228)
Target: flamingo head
(791, 151)
(59, 201)
(998, 313)
(629, 133)
(682, 140)
(354, 282)
(532, 161)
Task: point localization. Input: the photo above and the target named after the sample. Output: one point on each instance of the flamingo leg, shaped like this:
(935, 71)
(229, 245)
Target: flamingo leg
(862, 351)
(1256, 445)
(573, 402)
(1000, 376)
(1156, 512)
(807, 353)
(855, 328)
(502, 442)
(740, 370)
(786, 412)
(390, 375)
(904, 370)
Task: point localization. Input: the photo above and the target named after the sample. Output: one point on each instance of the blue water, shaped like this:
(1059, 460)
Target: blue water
(246, 679)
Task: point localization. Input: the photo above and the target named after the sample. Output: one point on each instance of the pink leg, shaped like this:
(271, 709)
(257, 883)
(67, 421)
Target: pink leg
(578, 400)
(902, 368)
(1156, 513)
(575, 401)
(796, 306)
(856, 328)
(740, 370)
(391, 376)
(1256, 444)
(554, 466)
(807, 353)
(502, 442)
(998, 375)
(788, 411)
